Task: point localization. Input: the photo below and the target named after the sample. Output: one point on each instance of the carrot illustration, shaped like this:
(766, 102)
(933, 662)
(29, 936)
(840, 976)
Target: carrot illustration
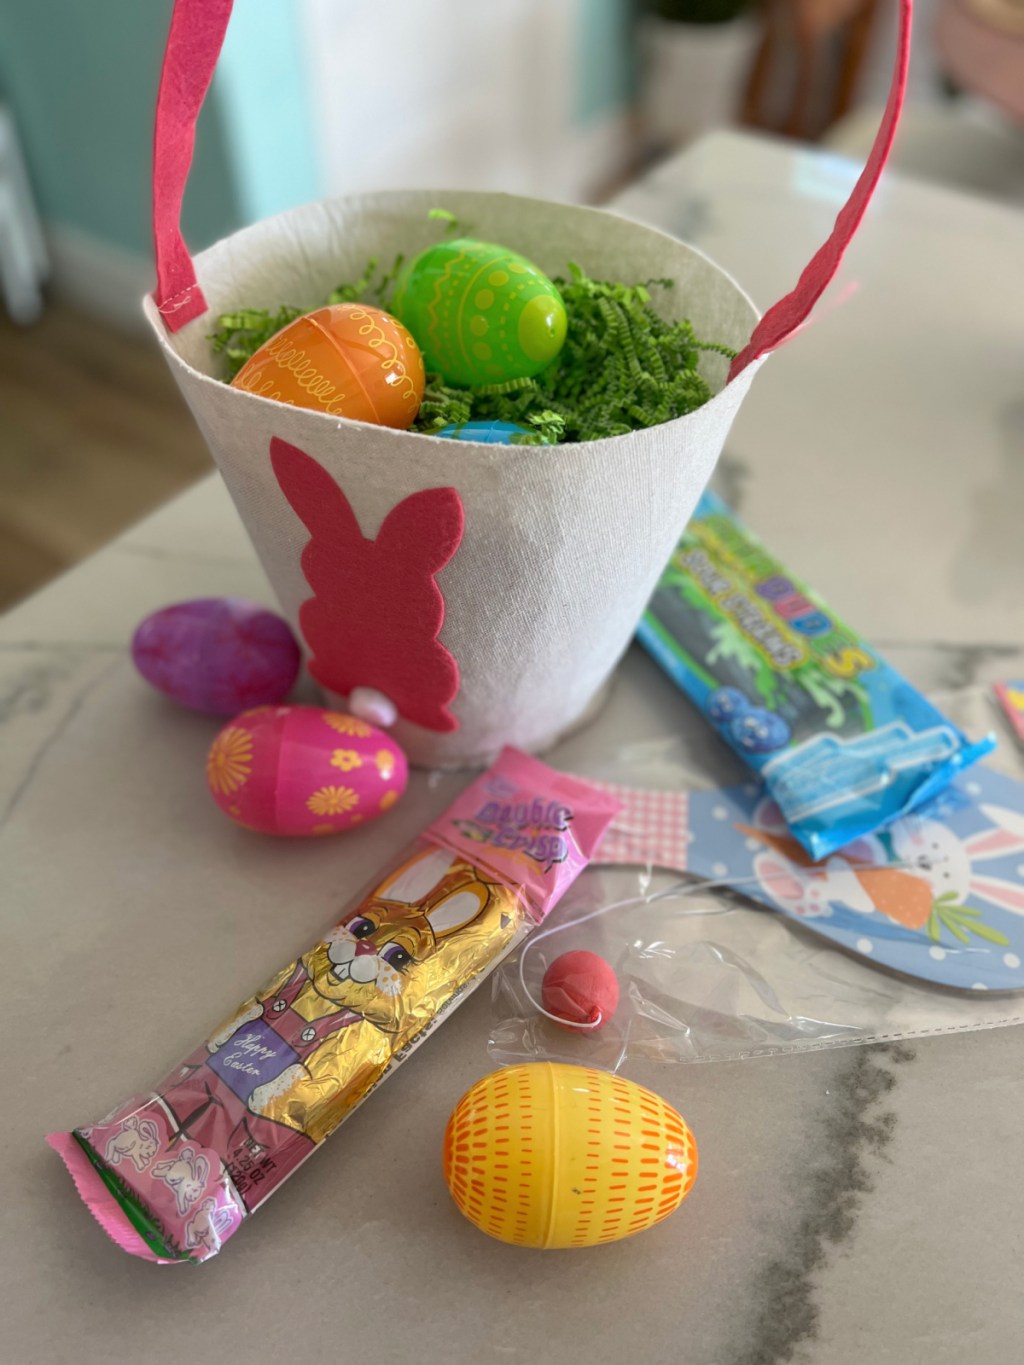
(781, 843)
(906, 899)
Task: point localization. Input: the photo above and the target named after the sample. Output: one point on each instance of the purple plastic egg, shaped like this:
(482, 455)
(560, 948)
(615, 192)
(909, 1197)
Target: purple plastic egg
(221, 655)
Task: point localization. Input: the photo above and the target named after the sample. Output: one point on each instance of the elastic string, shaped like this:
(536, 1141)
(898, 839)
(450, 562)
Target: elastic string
(679, 889)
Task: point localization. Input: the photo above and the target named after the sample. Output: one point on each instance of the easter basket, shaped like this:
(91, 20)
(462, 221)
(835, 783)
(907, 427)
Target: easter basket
(488, 590)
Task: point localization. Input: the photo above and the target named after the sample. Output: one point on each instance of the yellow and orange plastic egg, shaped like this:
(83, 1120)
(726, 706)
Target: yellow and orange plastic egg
(548, 1155)
(303, 770)
(348, 360)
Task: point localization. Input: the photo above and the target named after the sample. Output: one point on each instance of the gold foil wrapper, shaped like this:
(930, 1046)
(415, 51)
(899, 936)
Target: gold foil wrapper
(380, 977)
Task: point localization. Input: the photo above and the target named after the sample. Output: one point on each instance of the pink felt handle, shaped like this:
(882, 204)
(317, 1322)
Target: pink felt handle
(193, 46)
(784, 317)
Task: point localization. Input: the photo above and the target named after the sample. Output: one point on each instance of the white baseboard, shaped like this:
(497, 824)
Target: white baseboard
(101, 279)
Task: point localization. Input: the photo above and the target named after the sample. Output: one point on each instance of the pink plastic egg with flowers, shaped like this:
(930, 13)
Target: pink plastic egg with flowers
(304, 771)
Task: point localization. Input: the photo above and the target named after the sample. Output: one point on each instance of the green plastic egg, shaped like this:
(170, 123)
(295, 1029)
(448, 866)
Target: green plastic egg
(480, 313)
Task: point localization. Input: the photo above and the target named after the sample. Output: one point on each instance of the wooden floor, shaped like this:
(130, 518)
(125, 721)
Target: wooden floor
(93, 434)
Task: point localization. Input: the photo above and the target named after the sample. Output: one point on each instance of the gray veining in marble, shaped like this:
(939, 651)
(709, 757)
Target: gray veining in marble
(853, 1135)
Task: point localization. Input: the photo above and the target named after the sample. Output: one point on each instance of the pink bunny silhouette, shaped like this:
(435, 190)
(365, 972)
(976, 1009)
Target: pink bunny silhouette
(208, 1227)
(376, 612)
(187, 1175)
(137, 1142)
(949, 862)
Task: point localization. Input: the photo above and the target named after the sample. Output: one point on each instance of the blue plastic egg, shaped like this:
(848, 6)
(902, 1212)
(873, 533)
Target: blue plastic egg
(489, 433)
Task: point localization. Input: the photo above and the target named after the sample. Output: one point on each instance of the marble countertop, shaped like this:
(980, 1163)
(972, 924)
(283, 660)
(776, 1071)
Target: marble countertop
(861, 1204)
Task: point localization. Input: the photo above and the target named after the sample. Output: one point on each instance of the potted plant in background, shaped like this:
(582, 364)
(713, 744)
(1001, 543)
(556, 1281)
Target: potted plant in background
(696, 55)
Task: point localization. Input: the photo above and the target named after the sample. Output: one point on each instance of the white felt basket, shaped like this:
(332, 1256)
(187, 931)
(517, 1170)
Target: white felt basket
(562, 546)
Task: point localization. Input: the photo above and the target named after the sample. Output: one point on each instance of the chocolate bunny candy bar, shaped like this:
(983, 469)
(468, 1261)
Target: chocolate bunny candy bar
(175, 1178)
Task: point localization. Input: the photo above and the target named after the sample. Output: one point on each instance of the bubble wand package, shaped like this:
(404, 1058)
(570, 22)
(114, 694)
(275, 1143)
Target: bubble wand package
(172, 1174)
(844, 743)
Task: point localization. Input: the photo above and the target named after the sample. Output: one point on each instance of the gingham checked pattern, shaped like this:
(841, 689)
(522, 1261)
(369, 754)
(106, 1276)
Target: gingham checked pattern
(651, 828)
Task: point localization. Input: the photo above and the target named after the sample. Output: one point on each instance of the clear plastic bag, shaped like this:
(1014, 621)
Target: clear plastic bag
(706, 975)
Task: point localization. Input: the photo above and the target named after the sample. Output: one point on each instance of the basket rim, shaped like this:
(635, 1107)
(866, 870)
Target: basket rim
(384, 198)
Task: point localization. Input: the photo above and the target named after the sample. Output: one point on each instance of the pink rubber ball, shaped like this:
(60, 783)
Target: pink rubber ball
(580, 988)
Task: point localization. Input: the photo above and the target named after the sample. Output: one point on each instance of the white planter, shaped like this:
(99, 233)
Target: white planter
(693, 75)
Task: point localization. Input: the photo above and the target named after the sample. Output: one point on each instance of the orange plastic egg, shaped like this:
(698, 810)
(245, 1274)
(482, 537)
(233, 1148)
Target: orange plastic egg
(349, 360)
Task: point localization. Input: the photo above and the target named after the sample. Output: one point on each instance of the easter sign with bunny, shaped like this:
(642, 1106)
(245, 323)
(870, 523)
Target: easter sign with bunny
(938, 894)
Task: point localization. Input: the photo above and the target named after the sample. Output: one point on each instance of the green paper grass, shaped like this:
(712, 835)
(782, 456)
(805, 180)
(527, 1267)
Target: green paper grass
(623, 367)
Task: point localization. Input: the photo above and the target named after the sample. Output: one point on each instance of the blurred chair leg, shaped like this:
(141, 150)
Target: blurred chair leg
(24, 263)
(855, 46)
(794, 66)
(807, 47)
(760, 71)
(19, 282)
